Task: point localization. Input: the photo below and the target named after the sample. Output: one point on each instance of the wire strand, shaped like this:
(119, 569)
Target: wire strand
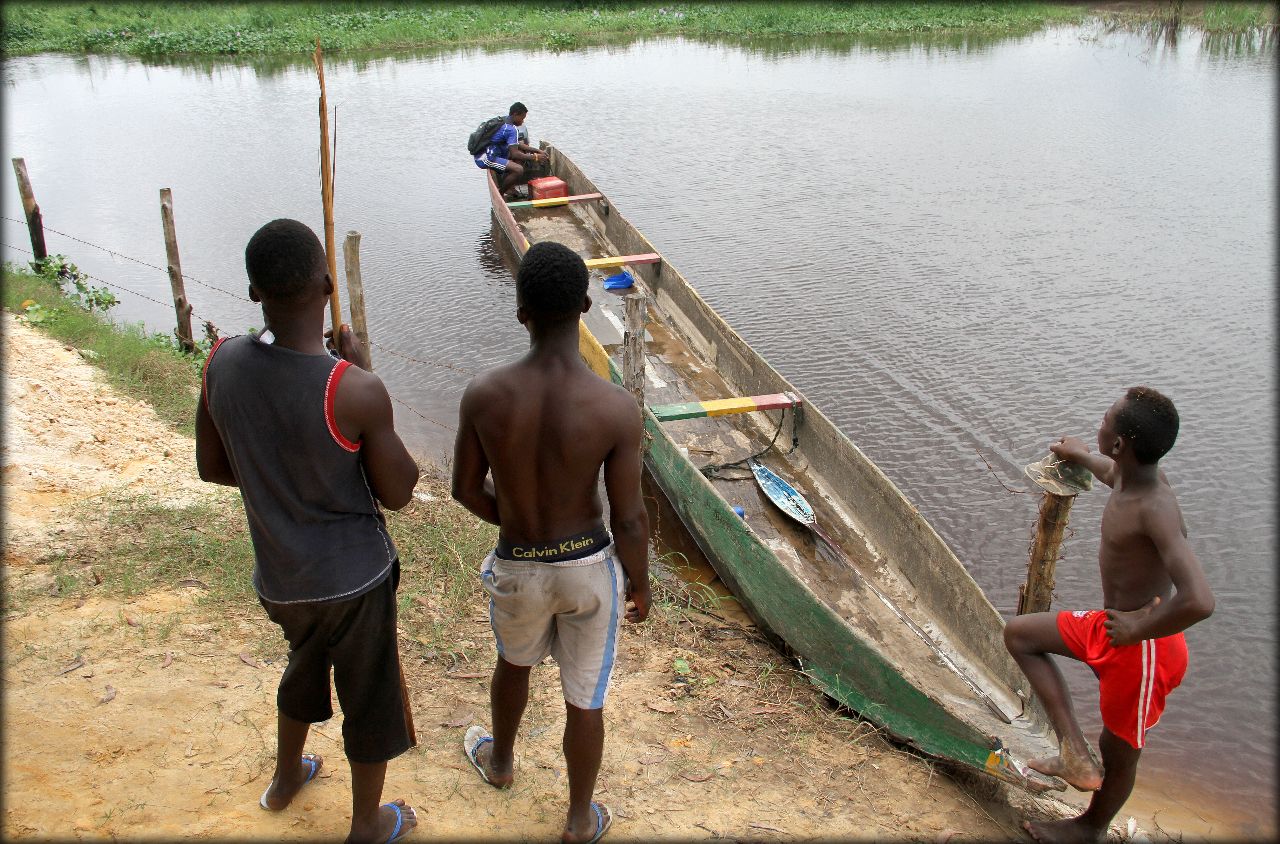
(422, 415)
(114, 253)
(458, 369)
(124, 289)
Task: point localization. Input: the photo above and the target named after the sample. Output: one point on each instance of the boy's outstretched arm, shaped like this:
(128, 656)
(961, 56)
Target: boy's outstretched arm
(1192, 599)
(1075, 450)
(471, 485)
(628, 520)
(211, 455)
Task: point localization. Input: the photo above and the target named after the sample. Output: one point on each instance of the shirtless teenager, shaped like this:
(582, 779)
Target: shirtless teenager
(1152, 589)
(544, 426)
(310, 442)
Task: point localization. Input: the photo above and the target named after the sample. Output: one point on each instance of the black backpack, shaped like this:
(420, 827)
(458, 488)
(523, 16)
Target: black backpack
(483, 134)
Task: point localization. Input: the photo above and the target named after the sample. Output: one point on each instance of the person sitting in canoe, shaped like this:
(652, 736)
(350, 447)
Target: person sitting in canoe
(544, 426)
(505, 151)
(1153, 588)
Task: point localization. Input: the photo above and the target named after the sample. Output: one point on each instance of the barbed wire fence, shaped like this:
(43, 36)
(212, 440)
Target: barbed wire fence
(211, 328)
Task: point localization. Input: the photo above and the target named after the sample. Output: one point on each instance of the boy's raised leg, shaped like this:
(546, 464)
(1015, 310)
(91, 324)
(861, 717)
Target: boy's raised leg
(371, 822)
(1031, 639)
(583, 747)
(1120, 761)
(292, 771)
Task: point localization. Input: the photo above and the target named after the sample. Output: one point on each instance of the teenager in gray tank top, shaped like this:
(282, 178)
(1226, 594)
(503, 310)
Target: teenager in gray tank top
(318, 534)
(310, 441)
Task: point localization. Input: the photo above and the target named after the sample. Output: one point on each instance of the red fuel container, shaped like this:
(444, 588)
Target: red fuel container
(548, 187)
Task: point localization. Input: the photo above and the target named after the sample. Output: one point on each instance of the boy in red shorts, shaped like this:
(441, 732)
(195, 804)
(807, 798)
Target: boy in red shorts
(1152, 589)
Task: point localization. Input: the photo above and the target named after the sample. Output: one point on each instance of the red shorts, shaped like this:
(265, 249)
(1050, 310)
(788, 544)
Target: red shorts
(1132, 680)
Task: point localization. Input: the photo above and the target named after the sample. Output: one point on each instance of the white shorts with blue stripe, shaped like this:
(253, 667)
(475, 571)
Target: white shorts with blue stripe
(571, 610)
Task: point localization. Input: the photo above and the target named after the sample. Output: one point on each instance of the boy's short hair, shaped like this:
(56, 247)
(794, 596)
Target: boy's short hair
(517, 108)
(1149, 421)
(552, 281)
(283, 259)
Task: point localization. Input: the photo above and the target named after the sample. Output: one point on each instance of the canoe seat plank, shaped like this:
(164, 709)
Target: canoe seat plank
(724, 407)
(619, 260)
(555, 200)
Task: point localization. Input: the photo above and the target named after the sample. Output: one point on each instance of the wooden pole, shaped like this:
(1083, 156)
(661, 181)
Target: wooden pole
(1036, 594)
(633, 346)
(326, 196)
(355, 295)
(35, 222)
(181, 307)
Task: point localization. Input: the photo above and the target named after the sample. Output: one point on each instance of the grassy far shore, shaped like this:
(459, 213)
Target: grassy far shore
(215, 28)
(173, 29)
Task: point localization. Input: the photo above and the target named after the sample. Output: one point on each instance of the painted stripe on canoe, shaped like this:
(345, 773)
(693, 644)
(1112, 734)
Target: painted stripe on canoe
(619, 260)
(555, 200)
(723, 407)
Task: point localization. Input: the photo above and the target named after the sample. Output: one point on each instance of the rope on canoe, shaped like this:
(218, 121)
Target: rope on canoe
(712, 470)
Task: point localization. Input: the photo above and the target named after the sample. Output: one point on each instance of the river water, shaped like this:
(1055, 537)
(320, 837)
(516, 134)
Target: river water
(959, 248)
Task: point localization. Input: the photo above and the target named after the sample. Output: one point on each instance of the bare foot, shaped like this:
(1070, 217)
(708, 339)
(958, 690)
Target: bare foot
(1080, 772)
(283, 789)
(500, 776)
(592, 825)
(394, 821)
(1071, 830)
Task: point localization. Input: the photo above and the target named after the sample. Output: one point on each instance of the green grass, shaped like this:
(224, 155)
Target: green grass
(1237, 17)
(169, 29)
(146, 367)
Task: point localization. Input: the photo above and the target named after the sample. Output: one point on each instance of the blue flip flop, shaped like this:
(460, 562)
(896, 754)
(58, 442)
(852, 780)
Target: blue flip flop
(395, 833)
(313, 762)
(603, 821)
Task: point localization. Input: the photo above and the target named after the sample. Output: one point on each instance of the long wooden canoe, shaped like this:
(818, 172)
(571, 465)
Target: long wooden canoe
(892, 625)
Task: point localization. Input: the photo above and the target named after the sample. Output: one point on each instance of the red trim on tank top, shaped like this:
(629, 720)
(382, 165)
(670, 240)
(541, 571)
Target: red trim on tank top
(330, 392)
(204, 371)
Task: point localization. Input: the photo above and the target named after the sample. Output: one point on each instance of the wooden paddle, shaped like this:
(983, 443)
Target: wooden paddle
(326, 197)
(335, 305)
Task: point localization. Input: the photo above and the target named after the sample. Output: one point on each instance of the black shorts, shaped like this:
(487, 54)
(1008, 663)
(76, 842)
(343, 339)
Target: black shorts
(357, 638)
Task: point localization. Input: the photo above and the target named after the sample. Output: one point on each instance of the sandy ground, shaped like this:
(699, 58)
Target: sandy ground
(133, 719)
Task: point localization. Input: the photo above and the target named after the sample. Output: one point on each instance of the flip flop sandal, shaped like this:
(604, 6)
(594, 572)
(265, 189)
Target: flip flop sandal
(396, 833)
(313, 762)
(475, 738)
(603, 821)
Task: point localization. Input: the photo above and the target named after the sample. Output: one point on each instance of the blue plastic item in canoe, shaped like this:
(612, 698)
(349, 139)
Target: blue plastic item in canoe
(621, 281)
(783, 494)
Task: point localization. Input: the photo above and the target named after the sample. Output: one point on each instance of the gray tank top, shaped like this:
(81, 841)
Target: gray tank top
(318, 532)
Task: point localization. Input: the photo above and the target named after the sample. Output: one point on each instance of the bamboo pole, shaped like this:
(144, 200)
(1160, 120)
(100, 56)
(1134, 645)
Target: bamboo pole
(326, 197)
(181, 307)
(633, 345)
(1036, 595)
(35, 222)
(355, 296)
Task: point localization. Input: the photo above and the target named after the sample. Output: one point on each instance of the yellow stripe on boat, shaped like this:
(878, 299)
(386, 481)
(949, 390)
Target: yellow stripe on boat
(724, 407)
(554, 200)
(619, 260)
(593, 354)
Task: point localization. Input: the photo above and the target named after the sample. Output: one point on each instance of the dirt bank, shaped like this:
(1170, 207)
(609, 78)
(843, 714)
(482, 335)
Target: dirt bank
(153, 715)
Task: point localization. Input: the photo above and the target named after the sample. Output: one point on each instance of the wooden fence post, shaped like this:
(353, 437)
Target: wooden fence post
(35, 222)
(181, 307)
(355, 297)
(633, 346)
(1036, 594)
